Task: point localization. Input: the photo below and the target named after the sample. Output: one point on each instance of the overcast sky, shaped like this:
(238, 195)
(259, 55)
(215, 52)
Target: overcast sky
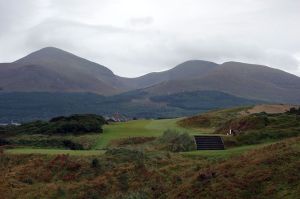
(134, 37)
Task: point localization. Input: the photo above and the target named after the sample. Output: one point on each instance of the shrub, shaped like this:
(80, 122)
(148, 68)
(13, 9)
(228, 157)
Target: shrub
(95, 163)
(77, 124)
(74, 124)
(294, 110)
(123, 181)
(60, 193)
(27, 181)
(71, 145)
(177, 142)
(4, 142)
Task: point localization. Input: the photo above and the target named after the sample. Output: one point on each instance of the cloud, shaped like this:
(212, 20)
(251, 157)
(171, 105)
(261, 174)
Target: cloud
(141, 21)
(135, 37)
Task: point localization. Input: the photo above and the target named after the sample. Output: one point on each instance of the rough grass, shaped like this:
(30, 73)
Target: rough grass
(54, 151)
(211, 119)
(268, 172)
(264, 172)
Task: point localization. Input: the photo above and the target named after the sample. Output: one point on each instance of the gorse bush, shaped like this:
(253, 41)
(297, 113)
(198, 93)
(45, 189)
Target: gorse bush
(95, 163)
(123, 181)
(294, 110)
(71, 145)
(177, 142)
(3, 142)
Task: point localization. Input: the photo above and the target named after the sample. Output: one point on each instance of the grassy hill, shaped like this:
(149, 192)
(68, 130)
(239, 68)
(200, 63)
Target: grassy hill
(253, 125)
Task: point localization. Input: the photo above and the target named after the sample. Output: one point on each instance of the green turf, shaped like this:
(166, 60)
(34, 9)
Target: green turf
(54, 151)
(138, 128)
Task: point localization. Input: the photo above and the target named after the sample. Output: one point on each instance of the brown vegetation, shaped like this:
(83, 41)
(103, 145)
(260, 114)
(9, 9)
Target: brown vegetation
(269, 172)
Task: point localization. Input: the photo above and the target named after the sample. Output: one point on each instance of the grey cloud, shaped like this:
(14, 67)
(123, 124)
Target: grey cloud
(142, 21)
(126, 38)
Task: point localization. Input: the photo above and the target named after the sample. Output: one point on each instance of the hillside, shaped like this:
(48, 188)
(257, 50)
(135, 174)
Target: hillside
(28, 106)
(216, 118)
(54, 70)
(186, 70)
(249, 125)
(245, 80)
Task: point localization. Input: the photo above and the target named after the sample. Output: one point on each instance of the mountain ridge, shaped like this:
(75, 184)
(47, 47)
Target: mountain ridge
(54, 70)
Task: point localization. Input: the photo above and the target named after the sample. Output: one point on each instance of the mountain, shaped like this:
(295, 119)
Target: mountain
(186, 70)
(54, 70)
(239, 79)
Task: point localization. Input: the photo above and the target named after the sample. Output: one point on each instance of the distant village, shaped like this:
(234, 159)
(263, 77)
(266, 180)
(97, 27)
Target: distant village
(12, 123)
(118, 118)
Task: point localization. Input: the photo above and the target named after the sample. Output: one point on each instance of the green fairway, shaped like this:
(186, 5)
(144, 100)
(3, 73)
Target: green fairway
(54, 151)
(134, 128)
(138, 128)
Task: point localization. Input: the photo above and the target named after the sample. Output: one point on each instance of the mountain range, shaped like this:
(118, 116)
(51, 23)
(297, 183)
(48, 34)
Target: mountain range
(52, 70)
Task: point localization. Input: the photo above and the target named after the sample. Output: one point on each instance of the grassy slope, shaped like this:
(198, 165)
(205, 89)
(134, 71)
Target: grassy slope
(211, 119)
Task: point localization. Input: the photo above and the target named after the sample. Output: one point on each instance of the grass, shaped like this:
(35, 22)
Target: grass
(138, 128)
(224, 154)
(54, 151)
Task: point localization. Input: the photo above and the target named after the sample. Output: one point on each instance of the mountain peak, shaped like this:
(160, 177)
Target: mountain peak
(51, 49)
(45, 55)
(197, 61)
(195, 67)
